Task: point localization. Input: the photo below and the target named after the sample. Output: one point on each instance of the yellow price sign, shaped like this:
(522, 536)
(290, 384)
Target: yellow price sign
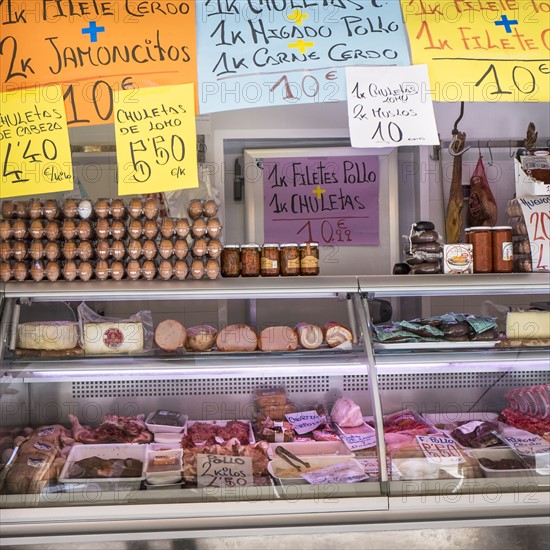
(35, 153)
(156, 139)
(482, 50)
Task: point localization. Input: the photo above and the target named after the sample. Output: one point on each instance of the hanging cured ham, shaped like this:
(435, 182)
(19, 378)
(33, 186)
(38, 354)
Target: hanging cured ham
(453, 221)
(482, 207)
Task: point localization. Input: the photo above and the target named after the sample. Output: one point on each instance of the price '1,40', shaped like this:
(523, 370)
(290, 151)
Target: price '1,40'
(32, 152)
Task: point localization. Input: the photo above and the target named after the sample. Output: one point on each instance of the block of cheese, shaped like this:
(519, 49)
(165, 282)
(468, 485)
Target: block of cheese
(108, 338)
(528, 324)
(49, 335)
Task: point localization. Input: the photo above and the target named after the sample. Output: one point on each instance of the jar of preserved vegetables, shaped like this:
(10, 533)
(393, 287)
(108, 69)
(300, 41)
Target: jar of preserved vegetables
(290, 259)
(230, 260)
(309, 259)
(250, 260)
(270, 265)
(480, 238)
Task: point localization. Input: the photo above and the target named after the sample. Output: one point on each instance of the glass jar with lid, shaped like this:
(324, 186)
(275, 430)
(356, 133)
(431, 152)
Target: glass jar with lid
(309, 258)
(250, 260)
(230, 260)
(290, 259)
(480, 238)
(270, 265)
(503, 249)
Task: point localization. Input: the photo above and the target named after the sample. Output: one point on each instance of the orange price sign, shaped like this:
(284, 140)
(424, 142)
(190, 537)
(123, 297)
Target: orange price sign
(95, 48)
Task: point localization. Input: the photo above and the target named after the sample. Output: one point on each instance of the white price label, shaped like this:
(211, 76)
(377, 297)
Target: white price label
(355, 442)
(224, 471)
(439, 449)
(305, 421)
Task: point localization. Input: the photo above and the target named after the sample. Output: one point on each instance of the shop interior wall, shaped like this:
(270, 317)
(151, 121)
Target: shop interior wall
(423, 183)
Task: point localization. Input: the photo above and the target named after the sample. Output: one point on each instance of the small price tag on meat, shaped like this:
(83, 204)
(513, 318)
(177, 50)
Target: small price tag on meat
(224, 471)
(439, 449)
(305, 421)
(526, 443)
(355, 442)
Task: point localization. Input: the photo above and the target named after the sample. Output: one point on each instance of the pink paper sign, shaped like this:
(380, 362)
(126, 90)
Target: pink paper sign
(329, 200)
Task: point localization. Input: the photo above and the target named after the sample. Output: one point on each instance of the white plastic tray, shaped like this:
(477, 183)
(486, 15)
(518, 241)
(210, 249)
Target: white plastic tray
(251, 437)
(313, 448)
(285, 474)
(435, 345)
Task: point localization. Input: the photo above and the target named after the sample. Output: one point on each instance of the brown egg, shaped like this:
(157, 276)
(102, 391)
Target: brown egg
(52, 251)
(51, 209)
(102, 249)
(36, 229)
(167, 227)
(5, 230)
(181, 248)
(214, 248)
(197, 269)
(6, 251)
(166, 269)
(37, 271)
(135, 208)
(68, 229)
(151, 208)
(149, 270)
(210, 208)
(212, 269)
(36, 249)
(118, 250)
(70, 208)
(135, 229)
(198, 228)
(52, 230)
(85, 250)
(182, 228)
(134, 249)
(70, 270)
(118, 209)
(69, 250)
(20, 271)
(133, 270)
(195, 209)
(166, 248)
(22, 209)
(102, 228)
(19, 229)
(117, 270)
(52, 271)
(181, 270)
(149, 250)
(101, 208)
(84, 230)
(102, 270)
(35, 209)
(5, 271)
(213, 227)
(85, 271)
(85, 209)
(200, 247)
(8, 209)
(19, 250)
(150, 229)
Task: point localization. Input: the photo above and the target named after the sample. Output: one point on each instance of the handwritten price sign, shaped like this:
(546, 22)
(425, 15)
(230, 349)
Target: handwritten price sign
(35, 154)
(256, 54)
(94, 49)
(440, 449)
(224, 471)
(156, 139)
(330, 200)
(385, 105)
(537, 219)
(483, 50)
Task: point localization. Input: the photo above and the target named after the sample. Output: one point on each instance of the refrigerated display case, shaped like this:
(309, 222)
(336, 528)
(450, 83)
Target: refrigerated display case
(441, 382)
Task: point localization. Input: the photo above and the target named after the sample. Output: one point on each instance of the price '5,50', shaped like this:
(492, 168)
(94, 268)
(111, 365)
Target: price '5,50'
(159, 149)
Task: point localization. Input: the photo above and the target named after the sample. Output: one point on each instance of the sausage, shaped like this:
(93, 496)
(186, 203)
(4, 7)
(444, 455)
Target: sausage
(239, 337)
(426, 267)
(336, 334)
(278, 338)
(422, 237)
(170, 335)
(201, 338)
(309, 336)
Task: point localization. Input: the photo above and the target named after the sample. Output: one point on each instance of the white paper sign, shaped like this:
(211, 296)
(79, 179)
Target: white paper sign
(354, 442)
(390, 106)
(305, 421)
(536, 212)
(528, 444)
(440, 449)
(224, 471)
